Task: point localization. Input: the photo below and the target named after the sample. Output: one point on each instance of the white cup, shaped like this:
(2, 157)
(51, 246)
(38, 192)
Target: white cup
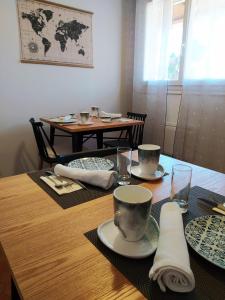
(132, 207)
(148, 156)
(84, 116)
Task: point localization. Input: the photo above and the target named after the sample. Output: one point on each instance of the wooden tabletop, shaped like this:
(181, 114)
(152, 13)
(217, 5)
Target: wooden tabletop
(98, 124)
(48, 255)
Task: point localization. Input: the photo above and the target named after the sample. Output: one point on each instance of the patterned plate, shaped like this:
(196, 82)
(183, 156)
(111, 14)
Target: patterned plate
(63, 121)
(92, 163)
(206, 235)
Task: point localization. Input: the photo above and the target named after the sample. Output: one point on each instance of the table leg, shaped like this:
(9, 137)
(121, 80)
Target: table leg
(99, 135)
(52, 135)
(14, 292)
(77, 142)
(130, 136)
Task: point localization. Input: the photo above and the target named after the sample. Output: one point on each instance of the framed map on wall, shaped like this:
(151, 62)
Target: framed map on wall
(52, 33)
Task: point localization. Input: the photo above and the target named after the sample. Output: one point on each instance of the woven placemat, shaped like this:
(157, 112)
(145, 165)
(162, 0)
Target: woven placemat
(210, 279)
(77, 197)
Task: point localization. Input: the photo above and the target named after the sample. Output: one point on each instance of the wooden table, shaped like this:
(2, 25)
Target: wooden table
(48, 255)
(98, 127)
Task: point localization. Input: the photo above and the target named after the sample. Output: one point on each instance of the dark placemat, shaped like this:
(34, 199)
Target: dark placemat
(210, 279)
(77, 197)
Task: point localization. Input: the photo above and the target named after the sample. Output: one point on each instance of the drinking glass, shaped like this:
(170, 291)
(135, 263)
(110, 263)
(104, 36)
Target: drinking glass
(124, 159)
(180, 185)
(95, 111)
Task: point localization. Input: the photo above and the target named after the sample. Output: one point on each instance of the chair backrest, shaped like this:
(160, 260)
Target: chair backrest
(43, 142)
(90, 153)
(138, 130)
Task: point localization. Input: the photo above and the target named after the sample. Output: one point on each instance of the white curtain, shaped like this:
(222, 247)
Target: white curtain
(153, 22)
(200, 134)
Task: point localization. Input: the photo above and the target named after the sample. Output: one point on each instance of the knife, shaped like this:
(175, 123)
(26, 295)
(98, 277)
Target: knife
(74, 180)
(218, 207)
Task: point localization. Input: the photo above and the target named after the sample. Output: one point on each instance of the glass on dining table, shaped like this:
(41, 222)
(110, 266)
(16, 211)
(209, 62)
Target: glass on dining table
(124, 160)
(180, 185)
(95, 111)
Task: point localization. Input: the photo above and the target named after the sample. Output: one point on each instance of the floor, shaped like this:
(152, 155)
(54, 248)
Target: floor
(5, 292)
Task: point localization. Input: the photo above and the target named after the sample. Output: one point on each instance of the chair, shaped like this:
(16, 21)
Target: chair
(48, 154)
(137, 133)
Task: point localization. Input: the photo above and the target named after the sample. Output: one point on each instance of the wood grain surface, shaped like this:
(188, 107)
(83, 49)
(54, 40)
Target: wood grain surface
(48, 255)
(97, 125)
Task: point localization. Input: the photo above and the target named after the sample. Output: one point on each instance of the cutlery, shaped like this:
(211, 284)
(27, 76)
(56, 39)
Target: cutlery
(220, 206)
(68, 183)
(56, 184)
(62, 183)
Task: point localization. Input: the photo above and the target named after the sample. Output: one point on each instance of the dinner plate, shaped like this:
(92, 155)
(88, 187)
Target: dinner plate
(206, 235)
(61, 121)
(92, 163)
(136, 171)
(125, 119)
(110, 235)
(106, 120)
(85, 124)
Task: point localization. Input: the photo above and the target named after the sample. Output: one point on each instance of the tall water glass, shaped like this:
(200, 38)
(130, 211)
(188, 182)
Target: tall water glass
(180, 185)
(95, 111)
(124, 159)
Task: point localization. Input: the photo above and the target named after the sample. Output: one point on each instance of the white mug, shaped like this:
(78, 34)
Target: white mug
(148, 156)
(84, 116)
(132, 206)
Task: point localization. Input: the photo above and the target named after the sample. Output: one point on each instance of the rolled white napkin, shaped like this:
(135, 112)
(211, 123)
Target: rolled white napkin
(100, 178)
(110, 115)
(171, 267)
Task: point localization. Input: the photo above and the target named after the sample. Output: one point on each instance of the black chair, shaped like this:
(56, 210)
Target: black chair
(137, 133)
(48, 154)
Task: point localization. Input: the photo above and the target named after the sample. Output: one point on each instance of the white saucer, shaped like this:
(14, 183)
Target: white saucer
(110, 235)
(125, 119)
(85, 124)
(106, 120)
(136, 171)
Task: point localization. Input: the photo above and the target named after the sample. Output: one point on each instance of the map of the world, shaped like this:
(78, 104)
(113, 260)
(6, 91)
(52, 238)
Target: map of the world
(53, 33)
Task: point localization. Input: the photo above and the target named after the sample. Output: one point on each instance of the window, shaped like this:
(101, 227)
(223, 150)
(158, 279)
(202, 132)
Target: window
(175, 40)
(163, 40)
(205, 50)
(174, 50)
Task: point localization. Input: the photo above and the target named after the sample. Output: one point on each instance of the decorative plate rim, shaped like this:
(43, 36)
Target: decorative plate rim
(187, 238)
(57, 120)
(110, 162)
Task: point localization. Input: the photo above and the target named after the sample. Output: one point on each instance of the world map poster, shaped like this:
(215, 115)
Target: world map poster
(55, 34)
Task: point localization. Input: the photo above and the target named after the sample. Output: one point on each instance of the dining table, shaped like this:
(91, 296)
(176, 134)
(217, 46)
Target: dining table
(47, 252)
(95, 126)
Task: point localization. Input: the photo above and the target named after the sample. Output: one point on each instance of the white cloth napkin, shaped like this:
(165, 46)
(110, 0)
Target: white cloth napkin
(171, 267)
(100, 178)
(109, 115)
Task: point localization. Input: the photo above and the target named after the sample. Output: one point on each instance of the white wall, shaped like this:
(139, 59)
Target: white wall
(28, 90)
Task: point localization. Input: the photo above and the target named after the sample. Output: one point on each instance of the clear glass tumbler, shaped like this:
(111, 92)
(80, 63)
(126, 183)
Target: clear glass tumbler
(124, 159)
(180, 185)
